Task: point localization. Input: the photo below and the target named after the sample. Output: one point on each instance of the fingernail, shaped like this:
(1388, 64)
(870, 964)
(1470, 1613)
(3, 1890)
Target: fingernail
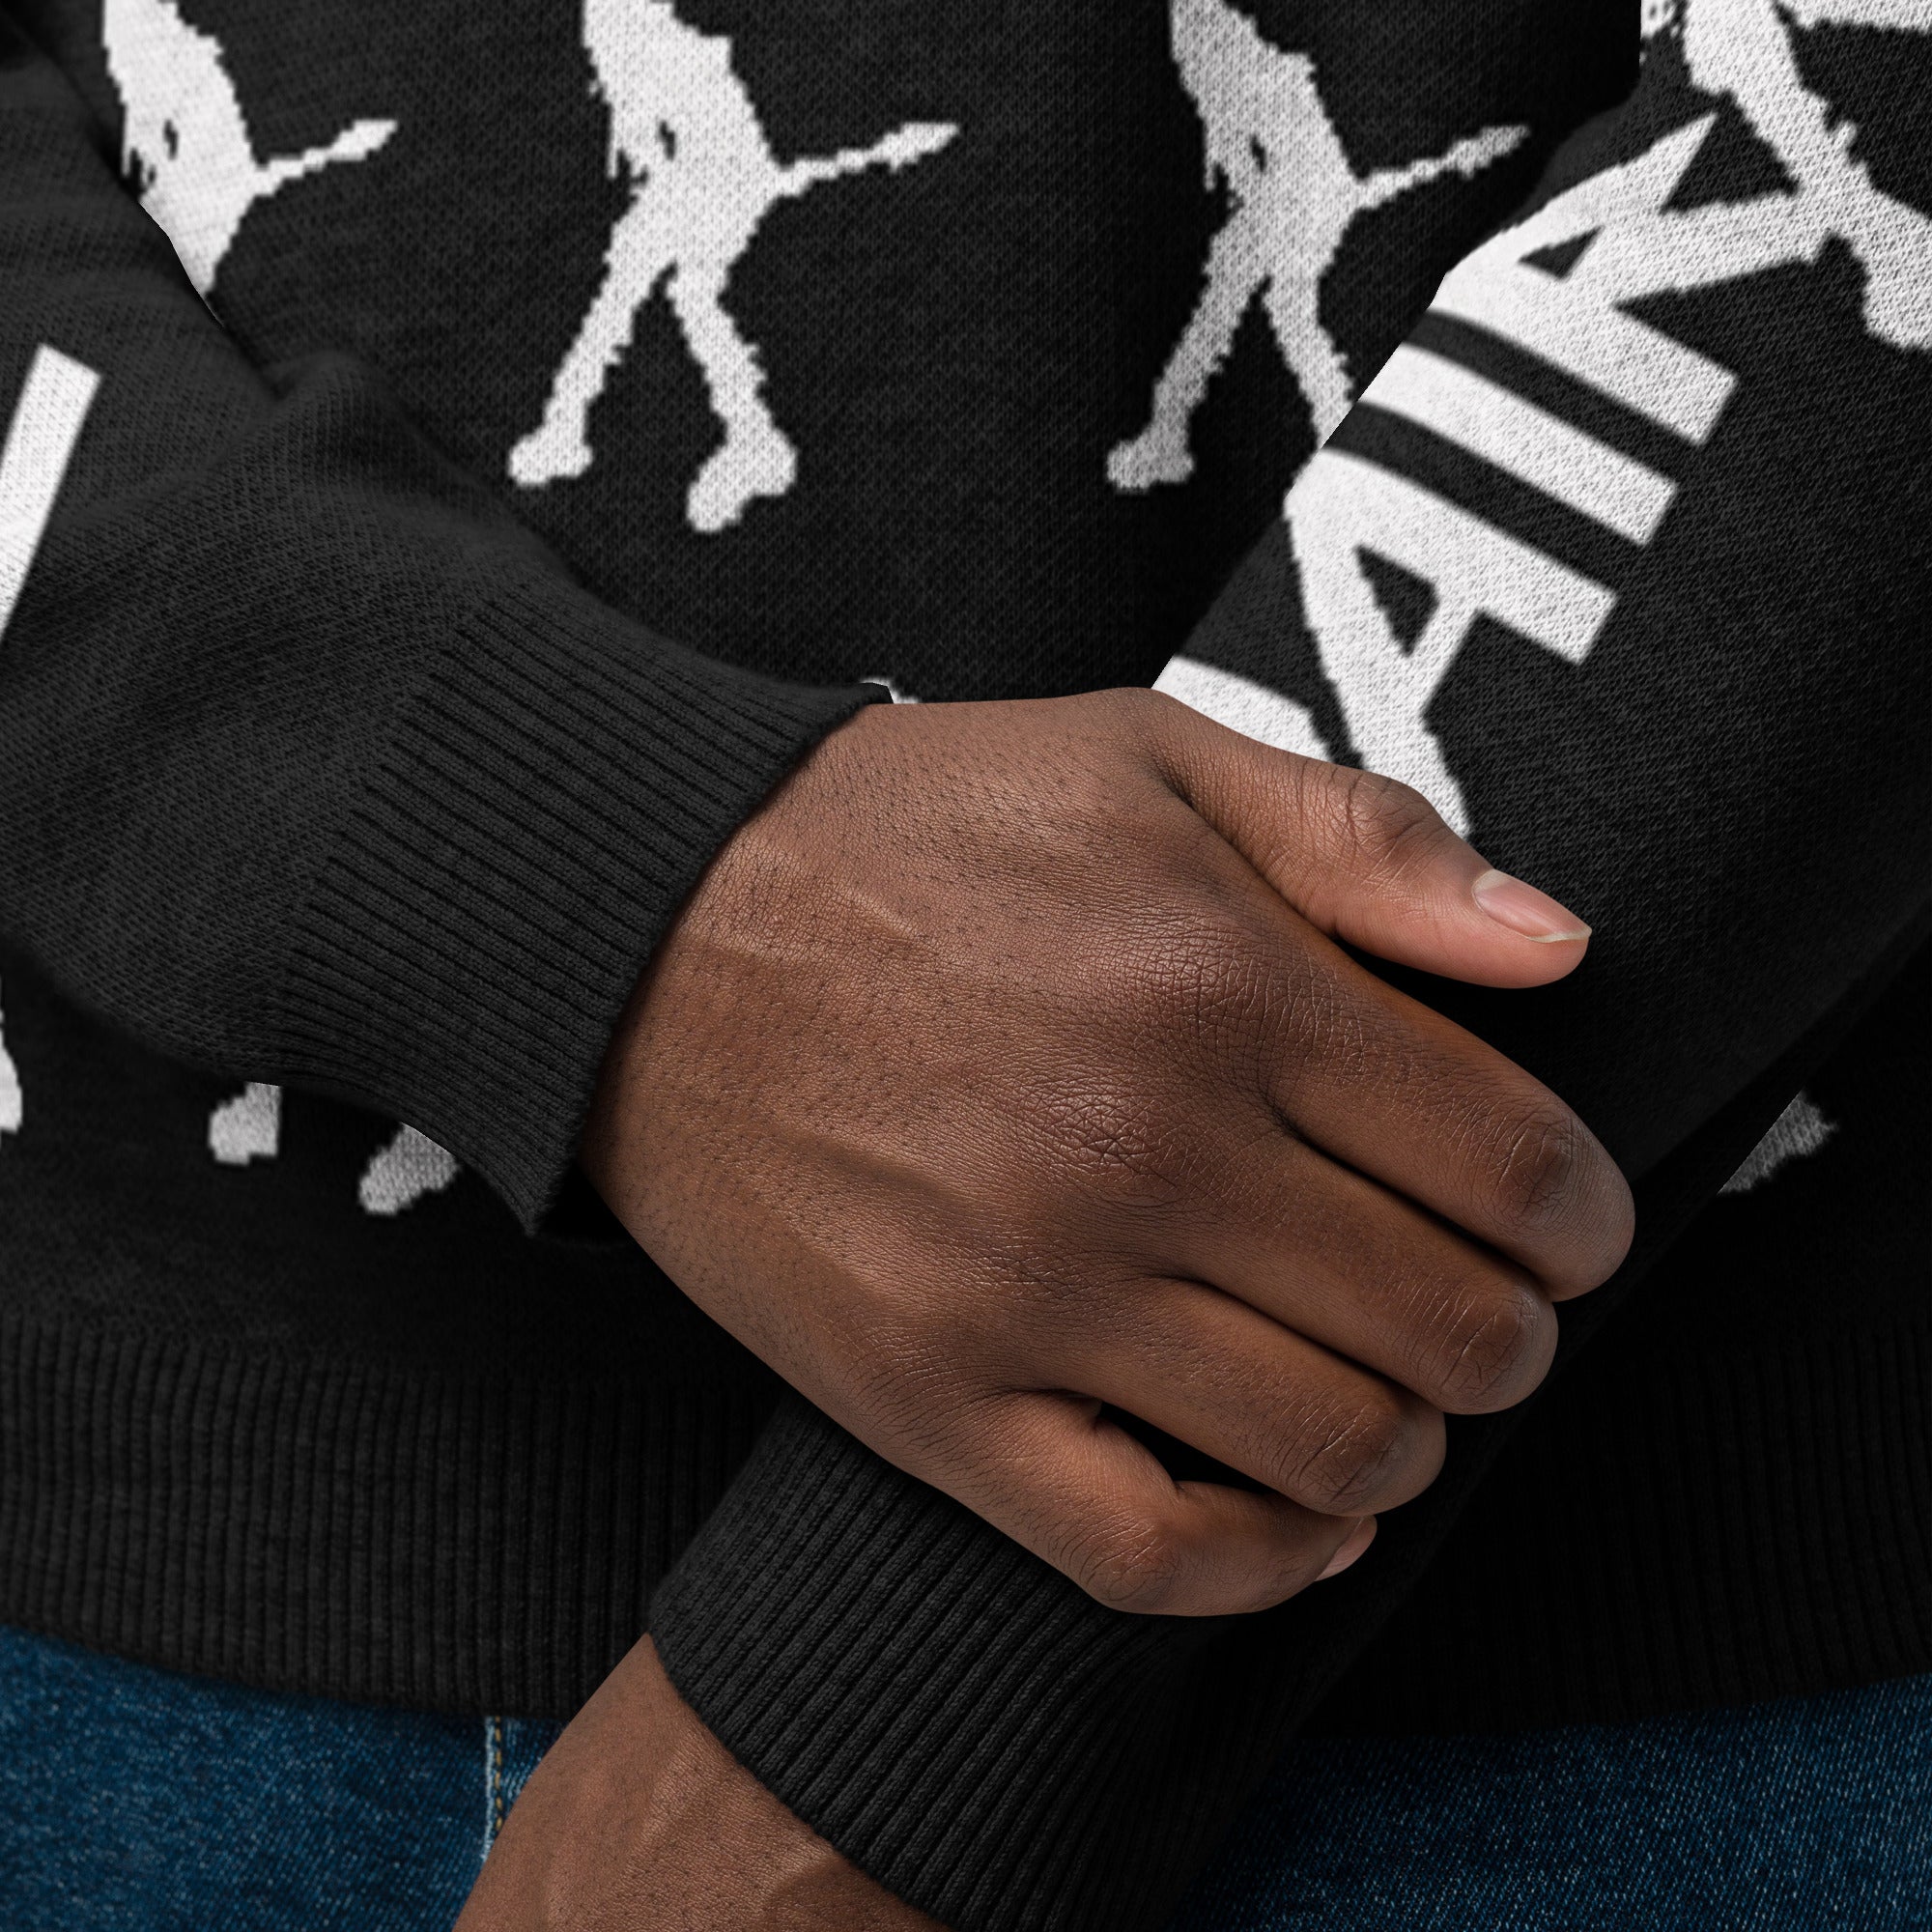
(1523, 909)
(1363, 1534)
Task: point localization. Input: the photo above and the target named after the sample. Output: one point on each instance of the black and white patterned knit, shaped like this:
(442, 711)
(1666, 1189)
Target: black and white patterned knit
(457, 457)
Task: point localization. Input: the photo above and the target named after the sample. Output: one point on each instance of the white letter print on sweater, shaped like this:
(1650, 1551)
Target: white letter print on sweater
(40, 438)
(407, 1166)
(702, 178)
(1634, 245)
(186, 143)
(1292, 197)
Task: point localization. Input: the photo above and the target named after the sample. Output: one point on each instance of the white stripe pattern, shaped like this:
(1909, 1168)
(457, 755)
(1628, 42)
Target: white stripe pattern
(1519, 437)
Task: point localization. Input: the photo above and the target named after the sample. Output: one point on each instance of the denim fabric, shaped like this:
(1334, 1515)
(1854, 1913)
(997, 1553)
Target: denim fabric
(134, 1800)
(1797, 1816)
(140, 1801)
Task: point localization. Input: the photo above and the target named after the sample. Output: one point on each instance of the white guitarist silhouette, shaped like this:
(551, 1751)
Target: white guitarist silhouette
(1742, 49)
(703, 176)
(1637, 243)
(186, 143)
(1293, 198)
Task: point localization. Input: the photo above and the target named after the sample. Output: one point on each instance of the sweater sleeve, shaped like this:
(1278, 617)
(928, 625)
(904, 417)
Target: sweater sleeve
(318, 767)
(1623, 560)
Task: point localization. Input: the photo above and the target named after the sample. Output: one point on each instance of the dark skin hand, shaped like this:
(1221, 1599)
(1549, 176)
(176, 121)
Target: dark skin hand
(1004, 1068)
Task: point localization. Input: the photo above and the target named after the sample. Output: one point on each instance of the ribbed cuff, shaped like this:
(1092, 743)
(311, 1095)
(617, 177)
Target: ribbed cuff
(544, 807)
(939, 1704)
(967, 1726)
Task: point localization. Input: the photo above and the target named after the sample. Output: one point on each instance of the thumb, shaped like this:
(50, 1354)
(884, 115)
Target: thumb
(1369, 860)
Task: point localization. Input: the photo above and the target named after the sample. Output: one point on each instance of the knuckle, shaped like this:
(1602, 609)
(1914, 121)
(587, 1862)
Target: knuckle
(1494, 1341)
(1538, 1172)
(1114, 1143)
(1134, 1566)
(1205, 971)
(1386, 823)
(1349, 1457)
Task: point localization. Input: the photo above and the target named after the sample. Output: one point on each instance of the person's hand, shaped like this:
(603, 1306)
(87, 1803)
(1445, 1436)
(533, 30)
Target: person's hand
(638, 1820)
(1002, 1067)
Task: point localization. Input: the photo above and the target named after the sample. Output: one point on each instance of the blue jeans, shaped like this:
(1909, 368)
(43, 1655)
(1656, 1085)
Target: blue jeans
(136, 1801)
(1797, 1816)
(139, 1800)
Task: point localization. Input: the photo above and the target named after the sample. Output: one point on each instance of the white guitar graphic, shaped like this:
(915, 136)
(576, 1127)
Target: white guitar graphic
(686, 135)
(187, 144)
(1293, 196)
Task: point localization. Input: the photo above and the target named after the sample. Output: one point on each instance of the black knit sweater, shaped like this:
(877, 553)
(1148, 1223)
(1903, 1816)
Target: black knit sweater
(389, 386)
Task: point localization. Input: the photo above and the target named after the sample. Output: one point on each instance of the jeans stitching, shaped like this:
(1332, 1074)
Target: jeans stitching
(493, 1781)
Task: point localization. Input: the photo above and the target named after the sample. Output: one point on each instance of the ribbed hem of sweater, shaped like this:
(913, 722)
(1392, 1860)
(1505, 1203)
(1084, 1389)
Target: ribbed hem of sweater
(756, 1629)
(468, 1544)
(541, 812)
(489, 1544)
